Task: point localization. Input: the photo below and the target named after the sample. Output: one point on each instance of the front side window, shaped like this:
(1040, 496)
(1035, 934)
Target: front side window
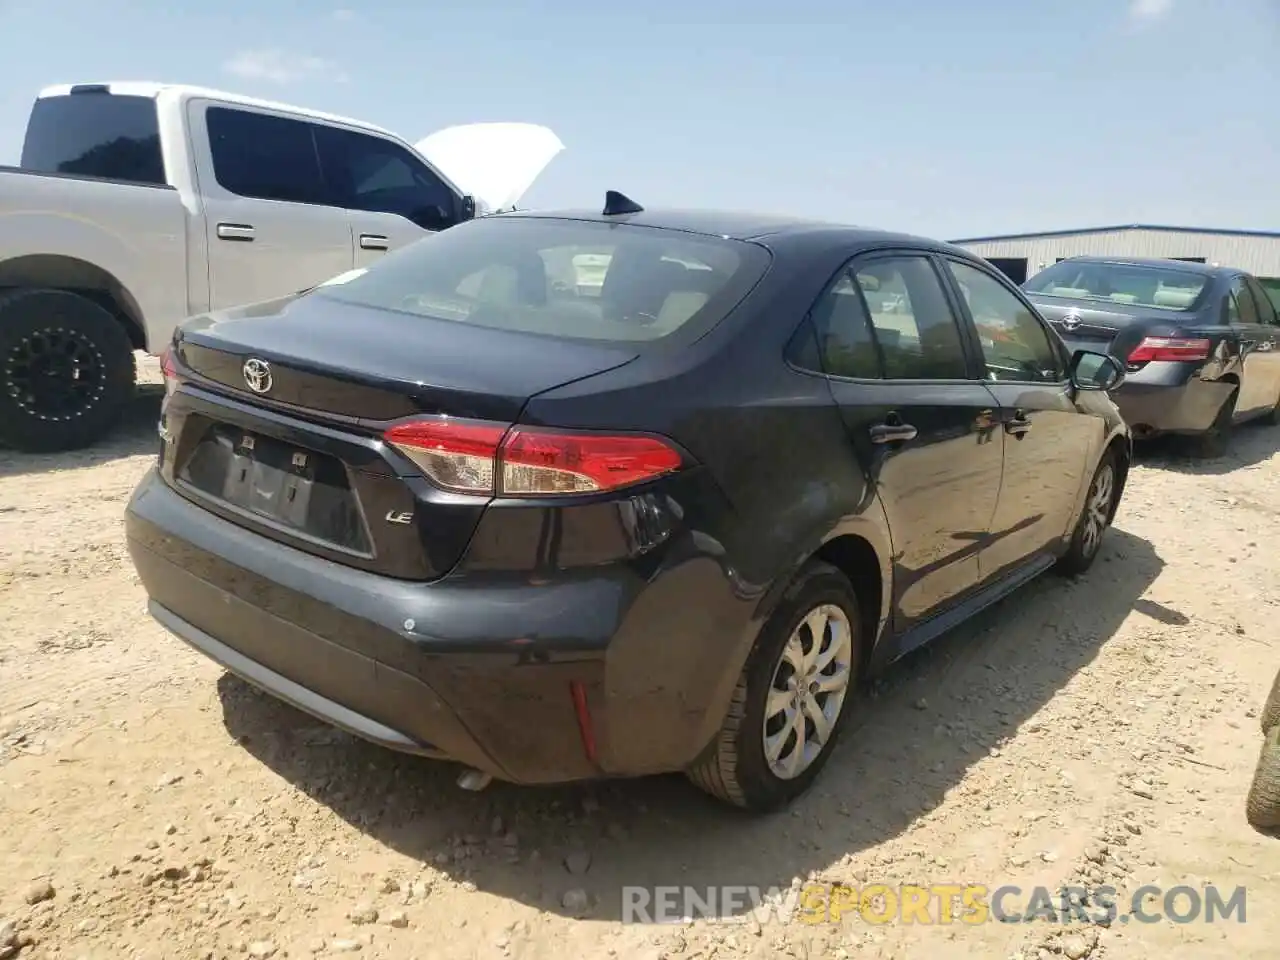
(1266, 309)
(914, 327)
(1143, 285)
(377, 176)
(1015, 345)
(264, 157)
(1246, 310)
(562, 278)
(95, 135)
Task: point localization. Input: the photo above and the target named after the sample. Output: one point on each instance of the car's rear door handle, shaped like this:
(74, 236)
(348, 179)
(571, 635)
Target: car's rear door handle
(1018, 424)
(374, 241)
(236, 231)
(892, 432)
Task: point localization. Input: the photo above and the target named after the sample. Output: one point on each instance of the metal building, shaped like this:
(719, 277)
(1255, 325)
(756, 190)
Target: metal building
(1023, 255)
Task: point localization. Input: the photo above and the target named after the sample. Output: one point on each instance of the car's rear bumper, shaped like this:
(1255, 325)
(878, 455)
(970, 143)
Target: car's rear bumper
(492, 674)
(1188, 407)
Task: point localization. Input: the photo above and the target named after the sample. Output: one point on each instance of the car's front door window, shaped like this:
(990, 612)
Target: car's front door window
(375, 175)
(1015, 345)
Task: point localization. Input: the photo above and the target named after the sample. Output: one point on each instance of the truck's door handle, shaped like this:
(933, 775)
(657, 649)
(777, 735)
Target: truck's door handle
(236, 231)
(374, 241)
(892, 432)
(1018, 424)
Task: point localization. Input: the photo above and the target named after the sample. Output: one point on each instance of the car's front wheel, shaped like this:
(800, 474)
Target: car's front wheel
(1099, 506)
(791, 699)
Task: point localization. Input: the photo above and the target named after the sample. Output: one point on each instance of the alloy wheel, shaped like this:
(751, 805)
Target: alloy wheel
(1097, 510)
(807, 691)
(55, 374)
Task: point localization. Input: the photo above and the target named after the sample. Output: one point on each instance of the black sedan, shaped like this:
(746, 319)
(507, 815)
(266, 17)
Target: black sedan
(1201, 344)
(565, 496)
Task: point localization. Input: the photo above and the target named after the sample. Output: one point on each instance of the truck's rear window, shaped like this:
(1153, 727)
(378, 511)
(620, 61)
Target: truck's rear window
(95, 135)
(572, 279)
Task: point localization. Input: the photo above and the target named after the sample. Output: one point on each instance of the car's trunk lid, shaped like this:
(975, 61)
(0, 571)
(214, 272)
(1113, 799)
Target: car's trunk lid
(1089, 325)
(277, 425)
(362, 363)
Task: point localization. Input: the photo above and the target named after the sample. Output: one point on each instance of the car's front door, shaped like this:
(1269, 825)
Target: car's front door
(918, 418)
(1264, 359)
(1049, 443)
(392, 197)
(270, 226)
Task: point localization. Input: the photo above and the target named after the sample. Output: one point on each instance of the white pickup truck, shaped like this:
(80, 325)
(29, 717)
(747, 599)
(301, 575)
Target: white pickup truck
(138, 205)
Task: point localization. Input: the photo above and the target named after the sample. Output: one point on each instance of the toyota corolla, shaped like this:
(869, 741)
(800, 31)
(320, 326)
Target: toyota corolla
(579, 495)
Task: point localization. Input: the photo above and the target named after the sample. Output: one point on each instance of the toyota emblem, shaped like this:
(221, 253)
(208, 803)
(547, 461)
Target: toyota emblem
(257, 375)
(1071, 320)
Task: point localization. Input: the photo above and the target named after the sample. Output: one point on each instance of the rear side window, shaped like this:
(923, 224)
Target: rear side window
(1245, 310)
(265, 157)
(1266, 309)
(378, 176)
(846, 346)
(914, 326)
(95, 135)
(571, 279)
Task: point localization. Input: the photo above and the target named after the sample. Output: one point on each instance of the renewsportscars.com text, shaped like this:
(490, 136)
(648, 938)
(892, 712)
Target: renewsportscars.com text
(932, 904)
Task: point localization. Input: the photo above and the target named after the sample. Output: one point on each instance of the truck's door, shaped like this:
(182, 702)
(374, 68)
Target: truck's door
(272, 225)
(392, 197)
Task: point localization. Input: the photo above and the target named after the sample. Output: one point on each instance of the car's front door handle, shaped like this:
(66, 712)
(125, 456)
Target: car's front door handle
(373, 241)
(892, 432)
(1018, 424)
(236, 231)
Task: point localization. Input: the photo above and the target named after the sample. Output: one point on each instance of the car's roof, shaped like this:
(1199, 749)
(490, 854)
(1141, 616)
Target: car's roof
(1185, 266)
(736, 225)
(181, 91)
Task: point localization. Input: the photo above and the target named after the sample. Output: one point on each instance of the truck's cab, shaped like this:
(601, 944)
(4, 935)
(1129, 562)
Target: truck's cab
(152, 202)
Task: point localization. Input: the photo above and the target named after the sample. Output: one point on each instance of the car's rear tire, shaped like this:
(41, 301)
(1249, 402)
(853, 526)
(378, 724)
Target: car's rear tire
(66, 370)
(1095, 517)
(1271, 709)
(1213, 442)
(806, 663)
(1262, 806)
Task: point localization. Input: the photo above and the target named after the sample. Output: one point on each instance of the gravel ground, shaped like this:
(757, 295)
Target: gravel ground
(1101, 731)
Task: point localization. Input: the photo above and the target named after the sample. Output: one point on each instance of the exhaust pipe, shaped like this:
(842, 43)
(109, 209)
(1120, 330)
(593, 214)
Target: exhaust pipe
(474, 780)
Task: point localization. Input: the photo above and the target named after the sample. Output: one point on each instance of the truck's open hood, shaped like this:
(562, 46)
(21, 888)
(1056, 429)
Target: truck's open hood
(494, 162)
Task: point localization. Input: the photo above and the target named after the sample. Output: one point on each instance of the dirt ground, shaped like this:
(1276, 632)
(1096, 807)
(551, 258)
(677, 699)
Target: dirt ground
(1101, 731)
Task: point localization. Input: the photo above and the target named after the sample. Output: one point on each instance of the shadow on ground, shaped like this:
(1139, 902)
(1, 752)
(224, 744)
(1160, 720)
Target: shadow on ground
(134, 435)
(898, 758)
(1250, 444)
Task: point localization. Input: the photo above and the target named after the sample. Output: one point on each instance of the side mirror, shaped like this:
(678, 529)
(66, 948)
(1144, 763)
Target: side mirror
(468, 211)
(1095, 371)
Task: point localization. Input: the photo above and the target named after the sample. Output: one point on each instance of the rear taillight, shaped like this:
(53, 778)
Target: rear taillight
(1170, 348)
(170, 371)
(499, 460)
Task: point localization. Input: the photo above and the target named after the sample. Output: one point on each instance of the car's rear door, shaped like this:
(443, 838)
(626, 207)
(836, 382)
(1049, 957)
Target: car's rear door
(918, 418)
(271, 228)
(1049, 444)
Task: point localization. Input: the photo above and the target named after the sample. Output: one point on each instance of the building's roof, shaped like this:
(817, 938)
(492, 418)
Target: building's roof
(1082, 231)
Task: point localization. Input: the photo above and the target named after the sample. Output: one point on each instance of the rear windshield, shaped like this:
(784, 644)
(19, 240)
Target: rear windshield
(95, 135)
(1138, 284)
(562, 278)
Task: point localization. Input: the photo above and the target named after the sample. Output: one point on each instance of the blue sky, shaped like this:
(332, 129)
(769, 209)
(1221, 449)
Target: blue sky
(944, 118)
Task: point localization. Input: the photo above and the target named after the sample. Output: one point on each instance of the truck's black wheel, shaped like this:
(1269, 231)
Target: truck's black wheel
(66, 370)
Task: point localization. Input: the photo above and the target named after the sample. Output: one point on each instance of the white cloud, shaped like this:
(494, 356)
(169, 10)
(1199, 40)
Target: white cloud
(276, 66)
(343, 15)
(1144, 11)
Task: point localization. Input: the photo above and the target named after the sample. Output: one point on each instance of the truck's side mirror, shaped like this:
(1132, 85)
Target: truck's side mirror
(468, 211)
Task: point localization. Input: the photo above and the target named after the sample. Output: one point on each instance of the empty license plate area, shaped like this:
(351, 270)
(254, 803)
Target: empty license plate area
(286, 486)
